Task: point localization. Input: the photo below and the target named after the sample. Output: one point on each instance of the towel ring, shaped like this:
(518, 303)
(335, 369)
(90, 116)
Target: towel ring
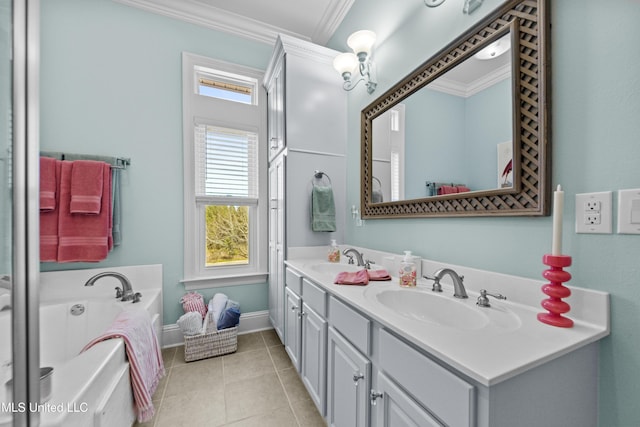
(318, 175)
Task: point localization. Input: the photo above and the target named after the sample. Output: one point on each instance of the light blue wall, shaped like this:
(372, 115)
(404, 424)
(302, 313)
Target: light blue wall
(485, 128)
(596, 106)
(111, 83)
(434, 143)
(452, 139)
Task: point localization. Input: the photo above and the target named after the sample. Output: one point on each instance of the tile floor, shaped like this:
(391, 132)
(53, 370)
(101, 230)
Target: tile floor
(255, 386)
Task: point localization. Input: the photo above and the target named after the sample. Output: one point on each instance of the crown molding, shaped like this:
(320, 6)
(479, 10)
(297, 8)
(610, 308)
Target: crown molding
(451, 87)
(198, 13)
(330, 21)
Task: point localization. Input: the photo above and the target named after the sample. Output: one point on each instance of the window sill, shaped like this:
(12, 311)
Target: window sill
(223, 281)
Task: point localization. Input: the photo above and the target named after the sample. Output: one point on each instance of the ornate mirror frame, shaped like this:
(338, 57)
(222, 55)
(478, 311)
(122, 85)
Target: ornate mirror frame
(530, 195)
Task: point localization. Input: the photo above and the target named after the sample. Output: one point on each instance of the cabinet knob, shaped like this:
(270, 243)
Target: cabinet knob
(374, 395)
(294, 308)
(357, 377)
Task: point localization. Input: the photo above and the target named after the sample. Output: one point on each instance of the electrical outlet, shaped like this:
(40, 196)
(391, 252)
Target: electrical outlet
(594, 213)
(592, 219)
(592, 205)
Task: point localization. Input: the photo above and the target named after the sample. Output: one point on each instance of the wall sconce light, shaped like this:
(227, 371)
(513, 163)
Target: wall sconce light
(433, 3)
(346, 63)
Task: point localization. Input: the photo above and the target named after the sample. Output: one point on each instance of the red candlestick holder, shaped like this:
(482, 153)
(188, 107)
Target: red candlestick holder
(556, 291)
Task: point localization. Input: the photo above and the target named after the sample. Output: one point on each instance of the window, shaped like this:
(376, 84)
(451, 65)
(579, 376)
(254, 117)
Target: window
(225, 191)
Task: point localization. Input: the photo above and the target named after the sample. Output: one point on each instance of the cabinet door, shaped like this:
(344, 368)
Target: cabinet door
(275, 110)
(314, 356)
(292, 332)
(348, 383)
(396, 409)
(276, 246)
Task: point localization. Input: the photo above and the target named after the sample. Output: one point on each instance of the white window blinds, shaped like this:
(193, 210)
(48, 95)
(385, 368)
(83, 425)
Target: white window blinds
(226, 165)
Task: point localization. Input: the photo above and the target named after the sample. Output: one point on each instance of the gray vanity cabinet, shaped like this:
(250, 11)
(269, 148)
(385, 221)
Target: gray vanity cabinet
(348, 383)
(395, 408)
(314, 356)
(292, 327)
(375, 376)
(313, 369)
(306, 334)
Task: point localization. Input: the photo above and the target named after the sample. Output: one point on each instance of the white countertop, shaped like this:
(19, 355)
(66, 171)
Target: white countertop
(496, 351)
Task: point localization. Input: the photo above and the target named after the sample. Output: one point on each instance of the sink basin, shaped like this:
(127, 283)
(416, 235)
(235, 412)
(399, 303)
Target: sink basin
(432, 308)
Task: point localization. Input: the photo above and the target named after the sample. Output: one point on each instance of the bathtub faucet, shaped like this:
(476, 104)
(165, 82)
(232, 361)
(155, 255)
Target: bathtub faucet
(127, 291)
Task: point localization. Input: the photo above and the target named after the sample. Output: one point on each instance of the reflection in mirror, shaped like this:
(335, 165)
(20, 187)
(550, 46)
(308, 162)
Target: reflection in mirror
(452, 136)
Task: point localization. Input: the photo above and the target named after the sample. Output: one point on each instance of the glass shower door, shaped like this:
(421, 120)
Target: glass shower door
(6, 206)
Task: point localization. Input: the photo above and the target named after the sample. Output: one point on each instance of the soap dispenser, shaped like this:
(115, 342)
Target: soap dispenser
(407, 271)
(333, 254)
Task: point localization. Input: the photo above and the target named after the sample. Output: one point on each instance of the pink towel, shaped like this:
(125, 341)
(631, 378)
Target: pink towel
(447, 189)
(49, 221)
(83, 237)
(146, 366)
(193, 301)
(352, 278)
(86, 187)
(48, 183)
(378, 275)
(462, 189)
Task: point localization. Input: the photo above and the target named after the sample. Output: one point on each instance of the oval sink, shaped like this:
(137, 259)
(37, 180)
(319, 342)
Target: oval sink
(432, 308)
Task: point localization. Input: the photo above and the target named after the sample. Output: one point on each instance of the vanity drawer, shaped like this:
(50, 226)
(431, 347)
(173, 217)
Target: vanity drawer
(351, 324)
(315, 297)
(443, 393)
(294, 281)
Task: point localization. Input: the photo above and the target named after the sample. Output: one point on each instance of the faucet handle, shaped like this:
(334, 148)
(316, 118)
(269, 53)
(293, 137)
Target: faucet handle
(136, 297)
(367, 264)
(437, 287)
(350, 259)
(118, 292)
(483, 301)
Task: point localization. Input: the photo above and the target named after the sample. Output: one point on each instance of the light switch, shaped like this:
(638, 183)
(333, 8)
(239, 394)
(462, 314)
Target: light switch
(629, 211)
(635, 211)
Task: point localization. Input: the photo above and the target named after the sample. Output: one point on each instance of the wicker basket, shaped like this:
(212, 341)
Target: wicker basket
(210, 344)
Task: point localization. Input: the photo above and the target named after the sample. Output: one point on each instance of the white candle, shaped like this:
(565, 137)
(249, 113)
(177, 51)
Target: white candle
(558, 205)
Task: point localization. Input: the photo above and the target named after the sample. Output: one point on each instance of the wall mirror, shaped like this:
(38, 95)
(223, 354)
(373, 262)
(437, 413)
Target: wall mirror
(467, 132)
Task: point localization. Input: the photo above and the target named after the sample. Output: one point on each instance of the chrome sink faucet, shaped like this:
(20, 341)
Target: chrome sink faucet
(358, 255)
(127, 291)
(458, 287)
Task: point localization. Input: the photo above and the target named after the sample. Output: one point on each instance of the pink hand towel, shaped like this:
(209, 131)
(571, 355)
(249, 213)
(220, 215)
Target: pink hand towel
(378, 275)
(48, 184)
(352, 278)
(83, 237)
(49, 222)
(447, 189)
(86, 187)
(146, 366)
(462, 189)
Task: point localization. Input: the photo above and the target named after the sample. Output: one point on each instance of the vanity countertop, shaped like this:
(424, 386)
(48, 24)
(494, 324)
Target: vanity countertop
(495, 351)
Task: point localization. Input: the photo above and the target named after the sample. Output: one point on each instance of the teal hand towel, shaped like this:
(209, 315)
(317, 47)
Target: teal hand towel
(323, 209)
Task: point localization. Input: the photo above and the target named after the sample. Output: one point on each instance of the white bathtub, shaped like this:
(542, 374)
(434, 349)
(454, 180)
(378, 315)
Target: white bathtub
(90, 388)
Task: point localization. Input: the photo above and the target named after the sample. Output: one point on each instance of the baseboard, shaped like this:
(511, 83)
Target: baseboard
(249, 322)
